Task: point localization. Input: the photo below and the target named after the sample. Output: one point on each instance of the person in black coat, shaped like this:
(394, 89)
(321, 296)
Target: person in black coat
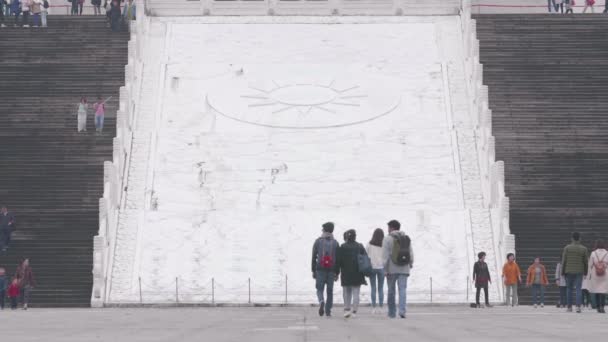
(115, 15)
(481, 278)
(350, 277)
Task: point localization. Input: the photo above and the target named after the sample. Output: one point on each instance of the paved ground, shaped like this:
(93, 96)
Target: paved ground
(299, 324)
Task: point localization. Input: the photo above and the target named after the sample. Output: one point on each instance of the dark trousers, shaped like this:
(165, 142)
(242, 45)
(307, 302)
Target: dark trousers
(74, 7)
(2, 299)
(13, 303)
(325, 281)
(80, 6)
(562, 295)
(17, 18)
(485, 292)
(26, 18)
(5, 238)
(551, 4)
(600, 300)
(606, 6)
(36, 18)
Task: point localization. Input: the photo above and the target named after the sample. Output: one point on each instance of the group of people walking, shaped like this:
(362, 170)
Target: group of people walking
(568, 5)
(24, 10)
(19, 287)
(100, 111)
(116, 17)
(389, 257)
(577, 272)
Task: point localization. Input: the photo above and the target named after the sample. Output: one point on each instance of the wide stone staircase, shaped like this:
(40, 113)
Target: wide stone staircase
(548, 87)
(51, 176)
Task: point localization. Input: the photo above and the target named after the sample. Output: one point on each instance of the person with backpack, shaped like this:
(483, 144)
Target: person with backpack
(511, 277)
(398, 258)
(575, 259)
(481, 278)
(324, 268)
(537, 279)
(352, 276)
(376, 278)
(598, 275)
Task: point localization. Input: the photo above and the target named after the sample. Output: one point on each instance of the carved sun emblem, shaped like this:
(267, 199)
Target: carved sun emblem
(304, 98)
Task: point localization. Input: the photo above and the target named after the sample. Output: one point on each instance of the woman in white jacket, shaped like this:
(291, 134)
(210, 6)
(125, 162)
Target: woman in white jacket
(374, 251)
(598, 275)
(82, 115)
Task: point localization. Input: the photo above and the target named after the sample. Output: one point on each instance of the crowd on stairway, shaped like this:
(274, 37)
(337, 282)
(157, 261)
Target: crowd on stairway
(34, 13)
(567, 6)
(581, 277)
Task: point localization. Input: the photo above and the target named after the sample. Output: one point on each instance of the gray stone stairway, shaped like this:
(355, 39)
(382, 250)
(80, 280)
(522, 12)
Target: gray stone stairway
(52, 176)
(548, 91)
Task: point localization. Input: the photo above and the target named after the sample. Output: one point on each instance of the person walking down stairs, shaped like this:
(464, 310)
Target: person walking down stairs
(100, 111)
(511, 276)
(537, 279)
(569, 6)
(82, 115)
(7, 227)
(25, 275)
(15, 11)
(96, 6)
(74, 10)
(598, 275)
(481, 279)
(45, 12)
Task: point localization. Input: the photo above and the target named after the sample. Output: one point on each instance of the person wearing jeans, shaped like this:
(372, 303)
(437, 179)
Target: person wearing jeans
(551, 5)
(376, 279)
(511, 276)
(397, 266)
(575, 258)
(537, 279)
(324, 267)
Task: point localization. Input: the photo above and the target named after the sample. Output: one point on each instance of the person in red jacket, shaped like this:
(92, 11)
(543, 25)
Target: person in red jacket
(13, 293)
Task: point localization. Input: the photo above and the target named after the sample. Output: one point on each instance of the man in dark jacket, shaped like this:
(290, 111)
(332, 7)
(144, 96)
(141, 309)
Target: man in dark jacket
(115, 16)
(7, 226)
(575, 259)
(324, 269)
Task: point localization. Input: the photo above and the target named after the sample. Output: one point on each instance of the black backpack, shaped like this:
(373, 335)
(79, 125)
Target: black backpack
(401, 250)
(45, 4)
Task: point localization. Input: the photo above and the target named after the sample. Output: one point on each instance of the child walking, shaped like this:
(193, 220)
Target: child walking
(82, 114)
(537, 279)
(511, 276)
(481, 278)
(13, 293)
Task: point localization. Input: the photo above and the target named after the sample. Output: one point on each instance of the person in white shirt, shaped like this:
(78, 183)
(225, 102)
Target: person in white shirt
(374, 251)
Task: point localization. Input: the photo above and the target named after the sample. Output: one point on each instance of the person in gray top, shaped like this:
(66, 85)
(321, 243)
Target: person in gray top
(398, 259)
